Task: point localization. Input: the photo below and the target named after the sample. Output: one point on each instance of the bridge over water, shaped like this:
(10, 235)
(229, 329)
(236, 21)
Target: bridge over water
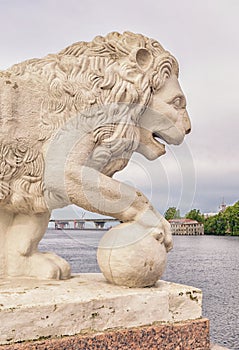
(80, 224)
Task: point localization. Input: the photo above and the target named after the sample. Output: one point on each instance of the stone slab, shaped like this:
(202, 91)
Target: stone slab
(86, 303)
(190, 335)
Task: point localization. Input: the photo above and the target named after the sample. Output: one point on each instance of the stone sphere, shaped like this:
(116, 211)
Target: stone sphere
(130, 258)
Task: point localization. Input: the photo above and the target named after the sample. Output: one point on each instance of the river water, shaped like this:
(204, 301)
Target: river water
(208, 262)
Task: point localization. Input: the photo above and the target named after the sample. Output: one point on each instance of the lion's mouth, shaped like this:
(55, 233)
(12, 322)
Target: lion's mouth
(158, 138)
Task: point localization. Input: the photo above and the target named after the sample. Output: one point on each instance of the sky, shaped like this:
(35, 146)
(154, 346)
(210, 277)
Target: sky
(203, 36)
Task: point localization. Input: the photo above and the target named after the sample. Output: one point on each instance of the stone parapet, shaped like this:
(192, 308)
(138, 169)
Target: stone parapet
(96, 311)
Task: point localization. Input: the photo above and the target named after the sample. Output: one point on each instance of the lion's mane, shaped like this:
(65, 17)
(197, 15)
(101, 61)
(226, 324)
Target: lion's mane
(81, 81)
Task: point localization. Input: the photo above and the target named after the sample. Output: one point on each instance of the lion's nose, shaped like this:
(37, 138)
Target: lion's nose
(188, 131)
(187, 123)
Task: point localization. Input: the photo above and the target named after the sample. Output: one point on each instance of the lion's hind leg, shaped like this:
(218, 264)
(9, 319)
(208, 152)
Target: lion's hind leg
(23, 256)
(6, 219)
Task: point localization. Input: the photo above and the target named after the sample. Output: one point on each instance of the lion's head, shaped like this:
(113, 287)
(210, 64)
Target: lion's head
(137, 73)
(165, 120)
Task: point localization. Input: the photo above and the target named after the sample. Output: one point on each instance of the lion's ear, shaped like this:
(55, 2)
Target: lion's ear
(143, 58)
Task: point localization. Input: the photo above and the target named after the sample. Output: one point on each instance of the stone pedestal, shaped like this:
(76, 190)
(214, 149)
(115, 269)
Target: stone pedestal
(94, 314)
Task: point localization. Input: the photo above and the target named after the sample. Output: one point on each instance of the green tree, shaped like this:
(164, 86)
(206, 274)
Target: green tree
(224, 223)
(221, 224)
(231, 215)
(195, 214)
(172, 213)
(210, 225)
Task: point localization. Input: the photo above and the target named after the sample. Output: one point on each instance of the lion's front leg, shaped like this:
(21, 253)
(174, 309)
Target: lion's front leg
(99, 193)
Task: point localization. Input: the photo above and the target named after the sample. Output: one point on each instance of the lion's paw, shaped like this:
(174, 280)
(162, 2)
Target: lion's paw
(155, 224)
(167, 235)
(162, 233)
(48, 266)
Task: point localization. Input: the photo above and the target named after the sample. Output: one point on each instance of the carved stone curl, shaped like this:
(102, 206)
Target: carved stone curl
(71, 120)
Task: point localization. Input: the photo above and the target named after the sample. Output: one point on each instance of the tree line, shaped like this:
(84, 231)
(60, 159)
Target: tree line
(223, 223)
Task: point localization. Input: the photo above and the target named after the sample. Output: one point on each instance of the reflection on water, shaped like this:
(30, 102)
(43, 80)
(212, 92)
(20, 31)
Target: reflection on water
(211, 264)
(207, 262)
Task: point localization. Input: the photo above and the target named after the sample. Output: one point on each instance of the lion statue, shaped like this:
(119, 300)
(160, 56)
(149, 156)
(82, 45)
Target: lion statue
(69, 121)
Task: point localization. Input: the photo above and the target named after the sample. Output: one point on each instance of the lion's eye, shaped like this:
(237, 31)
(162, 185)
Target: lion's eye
(179, 102)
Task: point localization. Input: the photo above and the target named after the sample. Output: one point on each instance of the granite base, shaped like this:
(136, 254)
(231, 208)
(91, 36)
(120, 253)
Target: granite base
(191, 335)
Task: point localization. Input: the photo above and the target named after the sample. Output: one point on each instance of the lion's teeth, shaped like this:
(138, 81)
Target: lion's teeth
(157, 138)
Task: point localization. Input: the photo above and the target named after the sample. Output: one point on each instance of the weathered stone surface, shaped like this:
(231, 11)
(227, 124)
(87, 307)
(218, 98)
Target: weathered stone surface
(30, 309)
(69, 121)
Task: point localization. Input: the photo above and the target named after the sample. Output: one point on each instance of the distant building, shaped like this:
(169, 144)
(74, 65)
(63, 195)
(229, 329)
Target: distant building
(208, 215)
(222, 206)
(186, 227)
